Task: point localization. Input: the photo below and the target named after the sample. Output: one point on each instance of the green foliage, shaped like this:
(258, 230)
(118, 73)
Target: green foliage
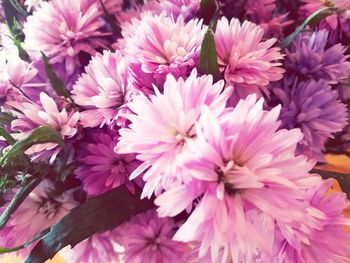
(55, 82)
(98, 214)
(40, 135)
(35, 238)
(314, 19)
(208, 63)
(27, 186)
(7, 136)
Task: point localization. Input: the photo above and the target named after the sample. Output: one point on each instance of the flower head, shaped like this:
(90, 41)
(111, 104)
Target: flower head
(146, 236)
(62, 29)
(48, 113)
(163, 45)
(41, 209)
(262, 13)
(243, 172)
(243, 57)
(327, 243)
(162, 124)
(101, 169)
(313, 107)
(102, 89)
(309, 58)
(174, 8)
(97, 248)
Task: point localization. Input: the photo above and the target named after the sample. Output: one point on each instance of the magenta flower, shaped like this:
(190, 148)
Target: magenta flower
(309, 57)
(103, 89)
(41, 209)
(31, 116)
(148, 237)
(243, 173)
(100, 168)
(162, 125)
(262, 13)
(313, 107)
(62, 29)
(244, 59)
(163, 45)
(97, 248)
(329, 242)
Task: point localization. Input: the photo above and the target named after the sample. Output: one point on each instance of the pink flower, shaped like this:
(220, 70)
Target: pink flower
(97, 248)
(163, 45)
(100, 168)
(148, 237)
(329, 242)
(175, 8)
(102, 89)
(244, 59)
(262, 13)
(245, 176)
(62, 29)
(41, 209)
(31, 116)
(162, 125)
(32, 4)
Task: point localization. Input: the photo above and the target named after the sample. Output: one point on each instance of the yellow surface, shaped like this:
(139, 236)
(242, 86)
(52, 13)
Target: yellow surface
(11, 259)
(335, 163)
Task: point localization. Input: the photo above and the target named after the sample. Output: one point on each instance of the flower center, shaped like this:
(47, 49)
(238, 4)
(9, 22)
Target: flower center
(223, 177)
(49, 208)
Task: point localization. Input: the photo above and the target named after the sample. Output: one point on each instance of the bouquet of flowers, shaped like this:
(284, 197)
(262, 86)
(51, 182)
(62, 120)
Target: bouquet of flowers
(174, 131)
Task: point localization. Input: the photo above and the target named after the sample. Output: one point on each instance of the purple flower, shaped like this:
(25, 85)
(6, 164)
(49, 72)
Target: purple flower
(313, 107)
(310, 58)
(101, 168)
(148, 237)
(103, 89)
(41, 209)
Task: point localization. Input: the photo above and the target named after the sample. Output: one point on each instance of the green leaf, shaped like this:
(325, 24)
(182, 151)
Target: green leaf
(314, 18)
(208, 63)
(98, 214)
(6, 118)
(343, 179)
(35, 238)
(18, 8)
(56, 83)
(7, 136)
(27, 186)
(40, 135)
(207, 10)
(22, 53)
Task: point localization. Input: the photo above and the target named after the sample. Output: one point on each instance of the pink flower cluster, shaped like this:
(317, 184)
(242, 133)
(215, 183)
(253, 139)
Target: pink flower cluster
(222, 139)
